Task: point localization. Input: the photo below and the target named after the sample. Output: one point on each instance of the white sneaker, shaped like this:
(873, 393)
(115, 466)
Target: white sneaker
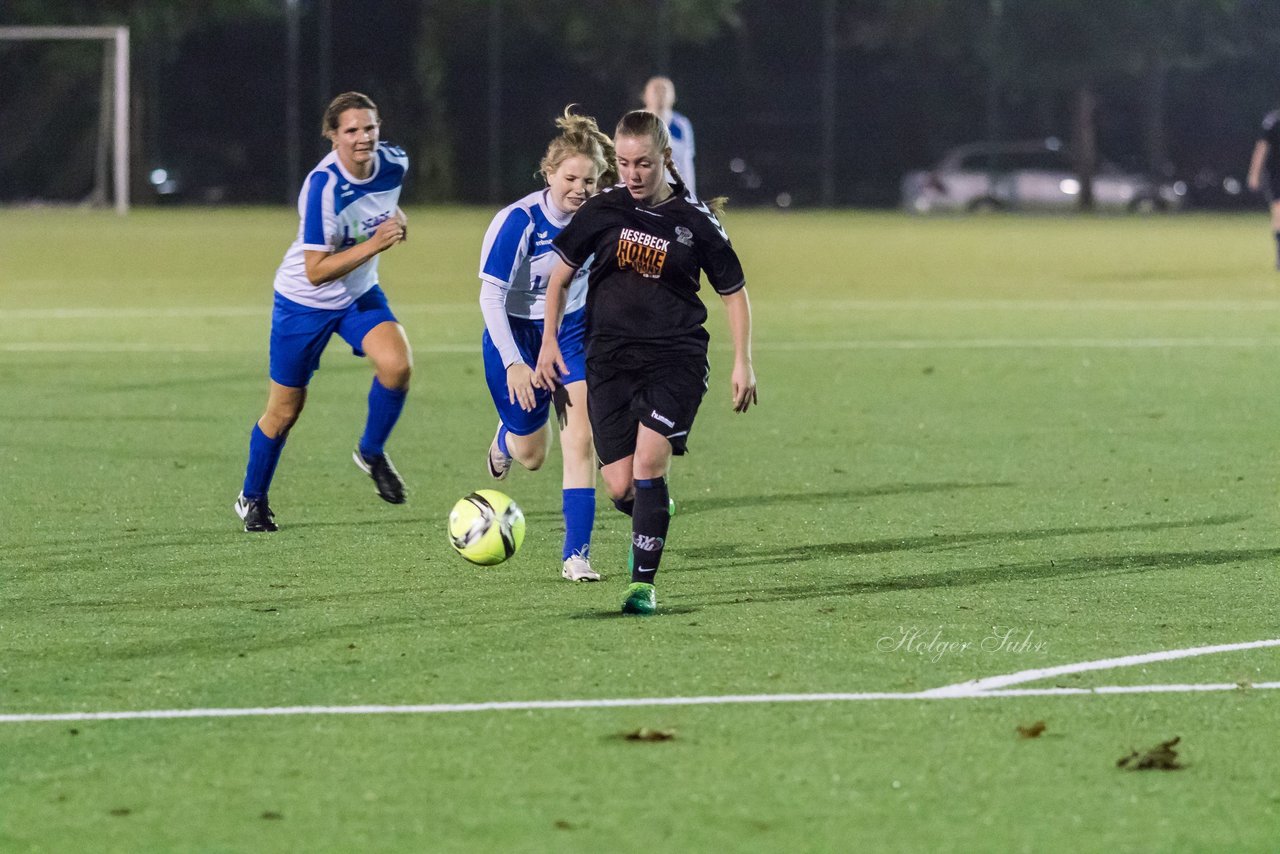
(499, 463)
(578, 568)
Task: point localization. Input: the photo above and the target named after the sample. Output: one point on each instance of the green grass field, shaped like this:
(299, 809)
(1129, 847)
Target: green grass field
(1063, 428)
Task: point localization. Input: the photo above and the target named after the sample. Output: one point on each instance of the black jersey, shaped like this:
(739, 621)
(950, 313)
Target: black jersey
(643, 286)
(1271, 134)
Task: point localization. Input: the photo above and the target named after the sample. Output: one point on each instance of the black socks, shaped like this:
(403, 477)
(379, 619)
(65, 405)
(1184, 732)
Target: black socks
(650, 518)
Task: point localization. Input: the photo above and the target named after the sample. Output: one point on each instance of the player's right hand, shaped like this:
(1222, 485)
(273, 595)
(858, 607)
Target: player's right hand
(743, 386)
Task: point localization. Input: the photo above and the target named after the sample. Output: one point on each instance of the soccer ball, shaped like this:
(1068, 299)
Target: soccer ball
(486, 527)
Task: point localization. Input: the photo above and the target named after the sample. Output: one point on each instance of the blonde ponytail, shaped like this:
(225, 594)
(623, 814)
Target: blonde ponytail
(580, 135)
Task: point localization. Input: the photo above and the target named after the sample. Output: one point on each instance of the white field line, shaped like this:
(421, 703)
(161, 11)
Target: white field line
(1108, 689)
(169, 349)
(991, 687)
(1018, 344)
(764, 346)
(1035, 305)
(1035, 675)
(1143, 306)
(621, 703)
(187, 312)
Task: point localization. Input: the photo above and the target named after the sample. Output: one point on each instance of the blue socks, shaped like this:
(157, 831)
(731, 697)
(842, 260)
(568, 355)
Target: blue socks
(502, 439)
(264, 454)
(579, 507)
(385, 405)
(649, 522)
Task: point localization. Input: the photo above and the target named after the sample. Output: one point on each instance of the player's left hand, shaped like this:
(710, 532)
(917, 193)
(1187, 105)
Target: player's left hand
(520, 386)
(404, 225)
(743, 383)
(551, 365)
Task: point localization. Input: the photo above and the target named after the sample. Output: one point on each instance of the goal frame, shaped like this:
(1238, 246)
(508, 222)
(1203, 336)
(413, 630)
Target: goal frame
(116, 46)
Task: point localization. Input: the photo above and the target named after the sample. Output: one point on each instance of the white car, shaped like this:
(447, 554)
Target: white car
(1027, 176)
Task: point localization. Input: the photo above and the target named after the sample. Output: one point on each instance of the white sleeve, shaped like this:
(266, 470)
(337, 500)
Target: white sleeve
(493, 305)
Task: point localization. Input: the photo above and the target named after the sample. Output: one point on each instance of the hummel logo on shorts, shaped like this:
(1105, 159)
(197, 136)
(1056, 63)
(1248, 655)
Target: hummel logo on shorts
(657, 416)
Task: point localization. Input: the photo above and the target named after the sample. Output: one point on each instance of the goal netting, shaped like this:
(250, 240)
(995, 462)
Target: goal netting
(66, 116)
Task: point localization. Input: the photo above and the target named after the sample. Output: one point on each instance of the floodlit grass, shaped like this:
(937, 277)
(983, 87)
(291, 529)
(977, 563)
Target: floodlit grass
(1059, 430)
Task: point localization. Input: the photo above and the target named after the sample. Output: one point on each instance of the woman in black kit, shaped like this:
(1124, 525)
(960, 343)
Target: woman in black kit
(1264, 170)
(647, 240)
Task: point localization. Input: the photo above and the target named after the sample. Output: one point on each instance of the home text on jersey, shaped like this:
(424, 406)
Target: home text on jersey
(642, 252)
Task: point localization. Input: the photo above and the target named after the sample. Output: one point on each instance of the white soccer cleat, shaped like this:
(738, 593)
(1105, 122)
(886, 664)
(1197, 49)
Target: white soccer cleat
(499, 463)
(578, 568)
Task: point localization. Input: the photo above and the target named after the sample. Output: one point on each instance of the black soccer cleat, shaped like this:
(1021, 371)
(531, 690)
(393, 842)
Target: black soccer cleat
(385, 477)
(256, 514)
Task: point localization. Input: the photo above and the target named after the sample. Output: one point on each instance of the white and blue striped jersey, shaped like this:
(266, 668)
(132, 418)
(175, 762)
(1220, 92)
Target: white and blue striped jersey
(517, 256)
(337, 211)
(682, 150)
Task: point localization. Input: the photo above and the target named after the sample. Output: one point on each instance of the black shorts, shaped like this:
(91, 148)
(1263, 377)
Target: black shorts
(1271, 185)
(662, 394)
(1270, 182)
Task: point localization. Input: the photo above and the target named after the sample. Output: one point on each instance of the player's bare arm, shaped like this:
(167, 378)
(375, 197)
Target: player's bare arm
(551, 365)
(743, 379)
(1260, 152)
(325, 267)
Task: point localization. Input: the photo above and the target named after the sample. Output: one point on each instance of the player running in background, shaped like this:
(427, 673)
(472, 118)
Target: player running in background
(515, 265)
(647, 366)
(1266, 156)
(327, 283)
(660, 98)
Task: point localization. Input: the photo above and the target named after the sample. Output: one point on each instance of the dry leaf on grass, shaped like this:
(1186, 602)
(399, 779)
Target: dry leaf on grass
(1162, 757)
(646, 734)
(1032, 731)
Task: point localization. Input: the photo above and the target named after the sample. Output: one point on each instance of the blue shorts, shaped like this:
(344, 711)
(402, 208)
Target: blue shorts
(528, 335)
(299, 333)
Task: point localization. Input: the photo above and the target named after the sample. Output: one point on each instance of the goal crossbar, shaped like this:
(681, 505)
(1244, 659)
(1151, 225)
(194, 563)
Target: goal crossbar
(117, 37)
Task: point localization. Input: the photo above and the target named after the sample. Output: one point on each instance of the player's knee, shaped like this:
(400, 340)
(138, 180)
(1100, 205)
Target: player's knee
(619, 489)
(396, 374)
(533, 458)
(529, 451)
(650, 466)
(576, 446)
(279, 420)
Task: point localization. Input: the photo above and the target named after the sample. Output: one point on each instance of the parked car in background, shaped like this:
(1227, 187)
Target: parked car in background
(1032, 176)
(1211, 189)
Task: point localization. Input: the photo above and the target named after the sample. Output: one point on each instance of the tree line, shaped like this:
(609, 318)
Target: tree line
(829, 99)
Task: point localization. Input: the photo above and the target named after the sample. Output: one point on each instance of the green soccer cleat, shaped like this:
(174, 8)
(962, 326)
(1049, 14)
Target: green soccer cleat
(641, 600)
(671, 507)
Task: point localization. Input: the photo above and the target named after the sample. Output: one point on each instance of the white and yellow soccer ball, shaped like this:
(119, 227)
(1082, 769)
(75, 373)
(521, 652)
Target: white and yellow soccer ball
(486, 527)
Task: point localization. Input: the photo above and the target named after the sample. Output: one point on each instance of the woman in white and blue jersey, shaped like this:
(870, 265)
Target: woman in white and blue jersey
(515, 265)
(327, 284)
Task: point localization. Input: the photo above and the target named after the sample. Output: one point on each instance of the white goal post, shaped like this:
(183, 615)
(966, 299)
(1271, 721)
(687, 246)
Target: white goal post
(116, 43)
